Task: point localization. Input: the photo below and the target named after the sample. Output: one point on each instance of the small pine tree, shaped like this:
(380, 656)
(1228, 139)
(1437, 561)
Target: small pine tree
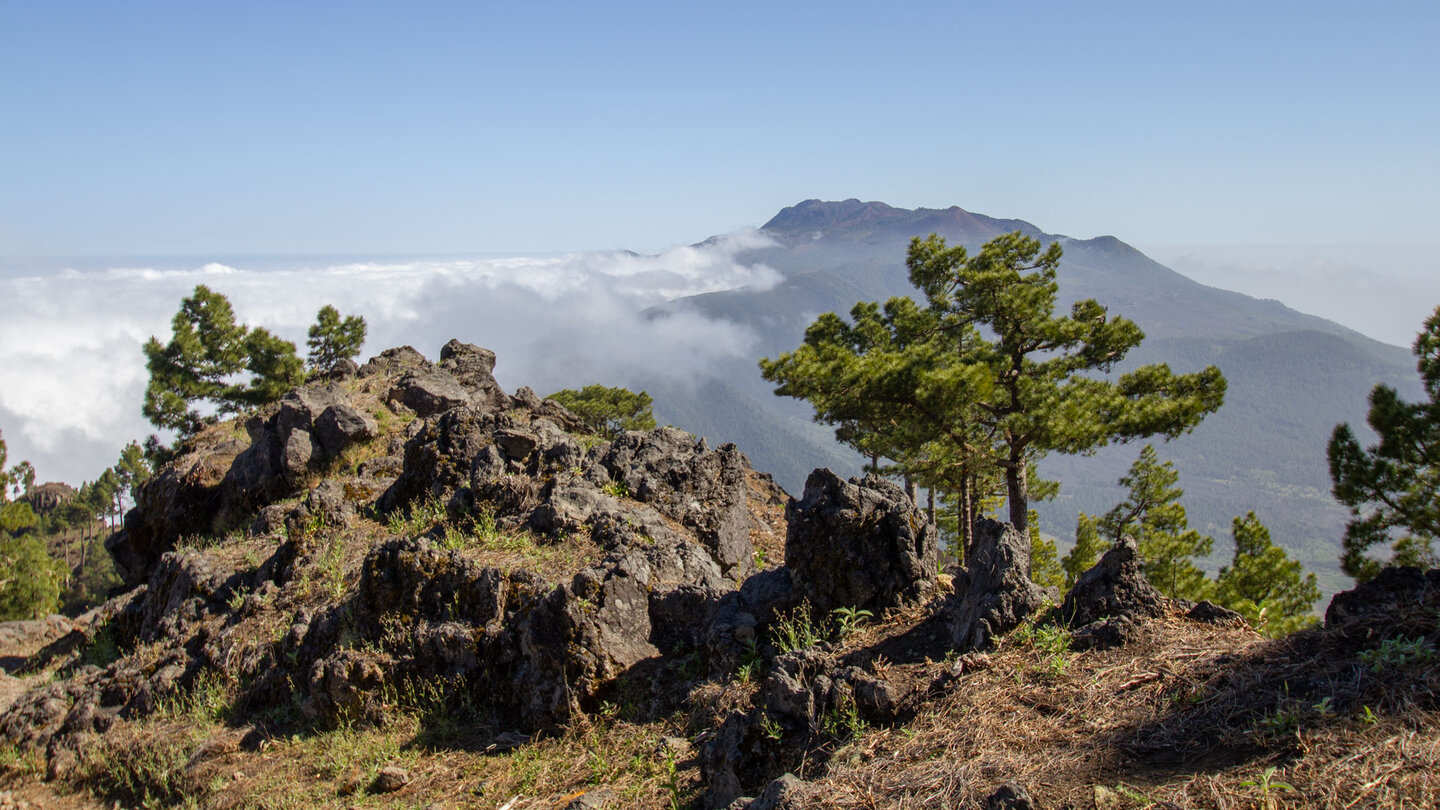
(1263, 584)
(30, 579)
(1045, 569)
(608, 411)
(332, 339)
(1152, 514)
(206, 352)
(1087, 550)
(1392, 488)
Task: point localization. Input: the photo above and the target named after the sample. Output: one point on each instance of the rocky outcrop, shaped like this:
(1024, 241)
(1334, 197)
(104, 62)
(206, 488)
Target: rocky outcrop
(536, 653)
(859, 543)
(1113, 587)
(993, 594)
(46, 498)
(183, 498)
(682, 479)
(1394, 592)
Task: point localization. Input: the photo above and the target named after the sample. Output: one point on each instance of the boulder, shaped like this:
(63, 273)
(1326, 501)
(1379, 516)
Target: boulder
(993, 594)
(1394, 590)
(392, 362)
(1009, 796)
(703, 489)
(341, 425)
(428, 392)
(183, 498)
(471, 366)
(1115, 586)
(859, 543)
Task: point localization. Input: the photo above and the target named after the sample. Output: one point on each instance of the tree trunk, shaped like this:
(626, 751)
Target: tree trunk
(930, 504)
(965, 513)
(912, 491)
(1018, 491)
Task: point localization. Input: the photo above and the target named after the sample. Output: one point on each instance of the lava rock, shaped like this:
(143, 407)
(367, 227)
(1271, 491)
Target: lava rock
(993, 594)
(1115, 586)
(859, 543)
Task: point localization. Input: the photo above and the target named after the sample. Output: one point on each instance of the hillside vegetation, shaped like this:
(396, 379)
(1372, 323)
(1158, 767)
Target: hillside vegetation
(400, 586)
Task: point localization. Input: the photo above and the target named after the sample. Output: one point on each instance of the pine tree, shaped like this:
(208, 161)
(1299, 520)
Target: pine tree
(333, 339)
(205, 361)
(30, 580)
(608, 411)
(1393, 487)
(1045, 569)
(985, 376)
(1152, 514)
(1087, 550)
(1263, 584)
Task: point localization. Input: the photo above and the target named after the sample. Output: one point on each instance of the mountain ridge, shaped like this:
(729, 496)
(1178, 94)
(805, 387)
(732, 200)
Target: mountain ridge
(1287, 390)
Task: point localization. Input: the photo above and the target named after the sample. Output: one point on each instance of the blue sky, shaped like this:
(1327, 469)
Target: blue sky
(436, 127)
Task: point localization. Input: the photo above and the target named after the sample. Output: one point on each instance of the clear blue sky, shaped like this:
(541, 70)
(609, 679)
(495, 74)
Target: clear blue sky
(191, 128)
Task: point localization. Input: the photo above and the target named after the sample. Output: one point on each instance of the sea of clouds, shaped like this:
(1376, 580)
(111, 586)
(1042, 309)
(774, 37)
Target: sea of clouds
(72, 373)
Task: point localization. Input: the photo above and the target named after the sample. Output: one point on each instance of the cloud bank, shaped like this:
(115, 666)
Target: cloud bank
(72, 374)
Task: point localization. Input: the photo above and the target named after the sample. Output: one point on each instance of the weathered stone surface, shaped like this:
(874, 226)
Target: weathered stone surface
(390, 779)
(1393, 590)
(859, 543)
(471, 366)
(45, 498)
(1105, 634)
(392, 362)
(781, 794)
(1009, 796)
(1115, 586)
(993, 594)
(684, 480)
(340, 425)
(183, 498)
(1211, 613)
(428, 392)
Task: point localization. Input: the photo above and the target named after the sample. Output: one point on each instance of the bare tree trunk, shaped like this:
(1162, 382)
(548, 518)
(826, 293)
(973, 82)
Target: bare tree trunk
(930, 504)
(912, 491)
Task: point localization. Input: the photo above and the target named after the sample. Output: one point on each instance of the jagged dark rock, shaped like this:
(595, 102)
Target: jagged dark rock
(859, 543)
(471, 366)
(702, 489)
(1394, 590)
(1115, 586)
(993, 594)
(1009, 796)
(1210, 613)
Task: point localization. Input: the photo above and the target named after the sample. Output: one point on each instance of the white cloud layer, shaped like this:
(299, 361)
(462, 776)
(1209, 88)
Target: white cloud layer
(1385, 291)
(72, 374)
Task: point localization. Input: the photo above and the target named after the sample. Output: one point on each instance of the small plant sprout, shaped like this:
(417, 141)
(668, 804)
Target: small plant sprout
(771, 729)
(1368, 717)
(1267, 785)
(849, 619)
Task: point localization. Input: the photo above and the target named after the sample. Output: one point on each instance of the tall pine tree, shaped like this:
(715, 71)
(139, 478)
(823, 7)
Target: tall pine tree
(985, 375)
(1152, 514)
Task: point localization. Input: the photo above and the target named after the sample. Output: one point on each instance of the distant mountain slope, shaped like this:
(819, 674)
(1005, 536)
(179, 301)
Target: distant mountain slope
(1292, 376)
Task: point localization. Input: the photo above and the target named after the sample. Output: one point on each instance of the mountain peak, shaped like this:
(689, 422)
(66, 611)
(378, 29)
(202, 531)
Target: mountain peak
(851, 219)
(820, 215)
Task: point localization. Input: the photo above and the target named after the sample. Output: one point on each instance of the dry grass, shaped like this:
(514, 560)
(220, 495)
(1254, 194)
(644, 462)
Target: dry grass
(1194, 715)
